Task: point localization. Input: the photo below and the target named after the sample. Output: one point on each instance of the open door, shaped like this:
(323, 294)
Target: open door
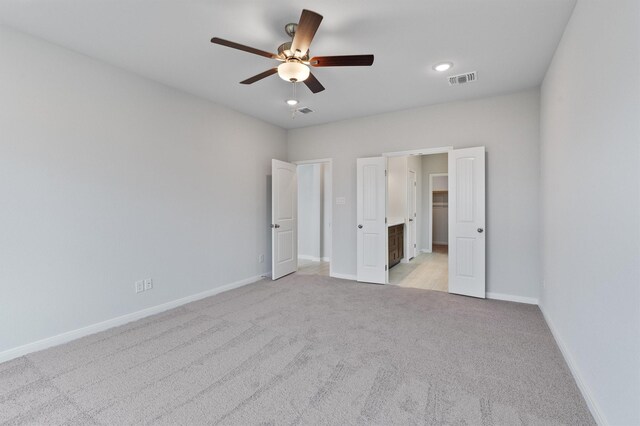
(284, 217)
(467, 222)
(372, 231)
(412, 231)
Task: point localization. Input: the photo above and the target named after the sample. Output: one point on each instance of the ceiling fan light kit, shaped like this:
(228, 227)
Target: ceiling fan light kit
(294, 55)
(293, 71)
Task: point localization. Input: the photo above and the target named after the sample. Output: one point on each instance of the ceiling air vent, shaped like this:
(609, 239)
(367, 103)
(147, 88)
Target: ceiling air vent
(467, 77)
(305, 110)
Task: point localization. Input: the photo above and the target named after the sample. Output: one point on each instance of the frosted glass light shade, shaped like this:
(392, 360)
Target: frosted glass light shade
(296, 71)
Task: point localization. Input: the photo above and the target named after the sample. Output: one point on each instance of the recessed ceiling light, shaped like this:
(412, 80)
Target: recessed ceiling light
(292, 102)
(443, 66)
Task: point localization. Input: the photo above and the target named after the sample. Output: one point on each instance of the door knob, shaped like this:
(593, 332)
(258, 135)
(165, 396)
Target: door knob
(480, 230)
(277, 226)
(360, 226)
(410, 220)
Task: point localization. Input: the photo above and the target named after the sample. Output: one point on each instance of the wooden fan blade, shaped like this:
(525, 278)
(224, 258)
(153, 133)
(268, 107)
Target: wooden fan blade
(307, 27)
(313, 84)
(260, 76)
(341, 61)
(239, 46)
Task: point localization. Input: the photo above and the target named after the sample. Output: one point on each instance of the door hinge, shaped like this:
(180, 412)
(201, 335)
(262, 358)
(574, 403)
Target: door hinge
(385, 220)
(385, 172)
(386, 267)
(414, 246)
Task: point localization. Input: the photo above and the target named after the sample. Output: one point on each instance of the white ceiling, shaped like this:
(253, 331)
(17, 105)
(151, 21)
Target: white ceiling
(508, 42)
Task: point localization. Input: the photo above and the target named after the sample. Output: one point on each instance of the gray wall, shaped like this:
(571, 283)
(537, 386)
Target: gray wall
(107, 178)
(397, 187)
(509, 128)
(590, 132)
(313, 211)
(309, 214)
(326, 211)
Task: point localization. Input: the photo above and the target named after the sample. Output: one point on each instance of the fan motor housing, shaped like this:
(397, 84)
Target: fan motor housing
(284, 52)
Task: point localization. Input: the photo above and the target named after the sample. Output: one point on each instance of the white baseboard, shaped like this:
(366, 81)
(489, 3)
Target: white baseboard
(114, 322)
(425, 250)
(512, 298)
(587, 394)
(326, 259)
(344, 276)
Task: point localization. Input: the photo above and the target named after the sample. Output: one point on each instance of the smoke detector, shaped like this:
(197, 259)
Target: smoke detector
(467, 77)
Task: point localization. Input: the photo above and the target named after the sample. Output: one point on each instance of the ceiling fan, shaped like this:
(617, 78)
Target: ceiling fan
(294, 54)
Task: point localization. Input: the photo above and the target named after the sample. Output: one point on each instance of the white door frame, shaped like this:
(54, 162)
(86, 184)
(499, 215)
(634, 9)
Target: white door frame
(431, 176)
(418, 152)
(421, 152)
(329, 190)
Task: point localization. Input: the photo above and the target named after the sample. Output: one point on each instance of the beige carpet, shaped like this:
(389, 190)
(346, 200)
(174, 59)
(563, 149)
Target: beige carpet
(305, 350)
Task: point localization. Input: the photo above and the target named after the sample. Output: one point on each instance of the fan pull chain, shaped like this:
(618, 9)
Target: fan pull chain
(293, 107)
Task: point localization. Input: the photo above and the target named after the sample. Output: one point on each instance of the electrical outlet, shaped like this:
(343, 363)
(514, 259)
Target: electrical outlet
(261, 258)
(148, 284)
(139, 286)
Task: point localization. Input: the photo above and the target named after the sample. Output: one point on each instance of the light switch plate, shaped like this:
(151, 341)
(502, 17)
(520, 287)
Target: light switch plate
(341, 200)
(148, 284)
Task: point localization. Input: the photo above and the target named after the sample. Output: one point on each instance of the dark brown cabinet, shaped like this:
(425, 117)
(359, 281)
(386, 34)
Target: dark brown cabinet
(396, 244)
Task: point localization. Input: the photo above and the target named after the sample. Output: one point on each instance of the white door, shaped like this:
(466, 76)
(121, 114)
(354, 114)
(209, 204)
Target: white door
(411, 208)
(467, 222)
(372, 231)
(284, 217)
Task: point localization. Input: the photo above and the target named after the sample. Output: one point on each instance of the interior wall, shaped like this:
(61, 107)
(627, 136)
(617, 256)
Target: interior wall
(440, 210)
(434, 163)
(108, 178)
(309, 214)
(397, 187)
(508, 126)
(590, 133)
(314, 224)
(325, 200)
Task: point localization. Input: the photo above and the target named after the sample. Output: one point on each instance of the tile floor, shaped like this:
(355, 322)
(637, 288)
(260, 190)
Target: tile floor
(427, 271)
(310, 267)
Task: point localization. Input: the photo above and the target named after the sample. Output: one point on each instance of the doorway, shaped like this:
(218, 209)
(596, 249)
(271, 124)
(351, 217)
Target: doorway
(418, 211)
(314, 217)
(466, 213)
